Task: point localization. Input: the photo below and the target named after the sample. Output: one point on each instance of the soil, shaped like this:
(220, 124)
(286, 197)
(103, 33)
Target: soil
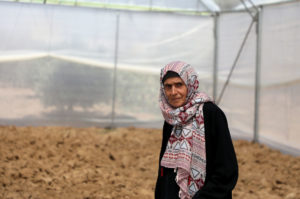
(121, 163)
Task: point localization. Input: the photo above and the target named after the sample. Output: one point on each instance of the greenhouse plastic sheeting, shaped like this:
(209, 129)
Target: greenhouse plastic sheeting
(57, 63)
(152, 41)
(238, 98)
(279, 99)
(280, 76)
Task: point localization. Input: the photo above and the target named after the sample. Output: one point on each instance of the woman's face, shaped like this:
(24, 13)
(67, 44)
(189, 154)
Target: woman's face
(176, 91)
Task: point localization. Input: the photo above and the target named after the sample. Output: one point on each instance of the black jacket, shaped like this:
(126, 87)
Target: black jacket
(221, 162)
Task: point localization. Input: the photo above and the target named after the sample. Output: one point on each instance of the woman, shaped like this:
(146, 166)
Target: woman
(197, 158)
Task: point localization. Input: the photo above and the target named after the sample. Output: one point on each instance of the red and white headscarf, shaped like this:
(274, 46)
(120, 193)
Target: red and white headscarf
(185, 151)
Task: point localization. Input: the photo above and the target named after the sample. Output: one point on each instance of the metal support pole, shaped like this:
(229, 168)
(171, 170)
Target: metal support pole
(216, 51)
(235, 62)
(113, 112)
(204, 4)
(248, 10)
(254, 6)
(257, 74)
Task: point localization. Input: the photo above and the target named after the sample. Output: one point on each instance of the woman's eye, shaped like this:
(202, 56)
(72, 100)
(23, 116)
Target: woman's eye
(167, 86)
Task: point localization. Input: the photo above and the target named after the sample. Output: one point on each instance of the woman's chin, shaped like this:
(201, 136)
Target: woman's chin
(176, 104)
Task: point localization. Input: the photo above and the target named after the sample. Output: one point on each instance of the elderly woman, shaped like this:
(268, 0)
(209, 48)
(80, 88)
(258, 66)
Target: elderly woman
(197, 158)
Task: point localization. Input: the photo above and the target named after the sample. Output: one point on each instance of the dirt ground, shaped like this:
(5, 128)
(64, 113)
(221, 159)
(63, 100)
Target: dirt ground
(95, 163)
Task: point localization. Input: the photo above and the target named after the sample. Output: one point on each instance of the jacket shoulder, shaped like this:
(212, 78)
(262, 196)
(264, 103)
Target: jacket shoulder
(210, 107)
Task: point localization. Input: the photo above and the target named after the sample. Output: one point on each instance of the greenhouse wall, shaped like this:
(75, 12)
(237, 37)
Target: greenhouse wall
(78, 66)
(279, 111)
(238, 98)
(278, 102)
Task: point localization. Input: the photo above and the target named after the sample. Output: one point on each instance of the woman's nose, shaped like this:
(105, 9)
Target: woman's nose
(173, 90)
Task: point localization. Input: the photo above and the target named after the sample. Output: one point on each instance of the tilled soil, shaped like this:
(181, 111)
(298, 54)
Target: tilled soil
(96, 163)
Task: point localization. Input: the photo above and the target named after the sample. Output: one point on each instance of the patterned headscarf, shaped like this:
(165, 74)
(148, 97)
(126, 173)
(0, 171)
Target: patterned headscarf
(185, 151)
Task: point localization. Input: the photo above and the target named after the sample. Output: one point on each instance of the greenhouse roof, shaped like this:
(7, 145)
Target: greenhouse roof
(191, 6)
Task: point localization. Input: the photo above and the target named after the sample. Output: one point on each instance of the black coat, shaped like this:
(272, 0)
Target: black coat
(221, 162)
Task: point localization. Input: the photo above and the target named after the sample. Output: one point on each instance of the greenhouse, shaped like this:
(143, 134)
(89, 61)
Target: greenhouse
(84, 63)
